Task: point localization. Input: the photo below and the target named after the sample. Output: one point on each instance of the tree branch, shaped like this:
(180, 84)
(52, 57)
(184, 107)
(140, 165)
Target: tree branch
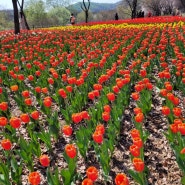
(82, 7)
(129, 3)
(89, 4)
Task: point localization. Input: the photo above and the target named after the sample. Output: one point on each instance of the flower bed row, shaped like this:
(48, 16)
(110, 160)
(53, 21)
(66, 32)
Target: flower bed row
(64, 92)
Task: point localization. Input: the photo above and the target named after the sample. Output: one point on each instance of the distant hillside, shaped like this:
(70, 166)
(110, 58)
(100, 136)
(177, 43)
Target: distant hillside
(95, 7)
(8, 13)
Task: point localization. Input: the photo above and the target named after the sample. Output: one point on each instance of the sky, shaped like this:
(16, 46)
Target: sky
(7, 4)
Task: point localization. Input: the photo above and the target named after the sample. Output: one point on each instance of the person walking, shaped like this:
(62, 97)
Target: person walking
(72, 19)
(116, 16)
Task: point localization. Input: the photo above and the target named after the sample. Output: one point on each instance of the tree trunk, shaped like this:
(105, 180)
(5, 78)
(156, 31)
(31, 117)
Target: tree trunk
(134, 9)
(86, 16)
(21, 9)
(183, 3)
(26, 23)
(16, 17)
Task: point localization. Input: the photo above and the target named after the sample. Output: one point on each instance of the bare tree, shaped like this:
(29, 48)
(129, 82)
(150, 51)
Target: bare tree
(183, 3)
(155, 6)
(180, 4)
(133, 7)
(85, 7)
(167, 6)
(16, 17)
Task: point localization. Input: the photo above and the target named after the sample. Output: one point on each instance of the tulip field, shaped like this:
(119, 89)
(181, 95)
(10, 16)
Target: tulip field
(94, 104)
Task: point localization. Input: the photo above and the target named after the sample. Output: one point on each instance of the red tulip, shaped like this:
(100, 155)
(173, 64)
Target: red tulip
(97, 137)
(35, 115)
(15, 122)
(106, 116)
(44, 160)
(111, 96)
(6, 144)
(3, 106)
(76, 117)
(62, 93)
(3, 121)
(177, 111)
(28, 101)
(165, 110)
(25, 93)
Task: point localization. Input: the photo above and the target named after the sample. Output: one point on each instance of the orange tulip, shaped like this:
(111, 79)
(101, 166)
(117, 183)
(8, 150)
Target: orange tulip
(70, 150)
(67, 130)
(34, 178)
(87, 181)
(134, 150)
(14, 88)
(107, 108)
(135, 133)
(121, 179)
(35, 115)
(138, 164)
(92, 173)
(25, 118)
(44, 90)
(135, 95)
(137, 110)
(100, 128)
(139, 117)
(138, 142)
